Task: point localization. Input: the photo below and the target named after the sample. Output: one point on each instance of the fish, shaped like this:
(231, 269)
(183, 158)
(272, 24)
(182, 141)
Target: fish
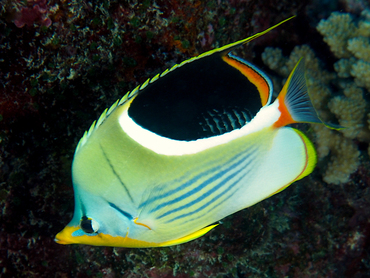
(190, 146)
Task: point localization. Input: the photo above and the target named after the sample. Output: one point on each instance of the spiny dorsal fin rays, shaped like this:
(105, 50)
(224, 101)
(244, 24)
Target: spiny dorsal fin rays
(130, 94)
(107, 112)
(145, 84)
(97, 123)
(155, 78)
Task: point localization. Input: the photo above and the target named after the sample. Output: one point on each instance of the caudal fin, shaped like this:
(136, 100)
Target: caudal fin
(294, 103)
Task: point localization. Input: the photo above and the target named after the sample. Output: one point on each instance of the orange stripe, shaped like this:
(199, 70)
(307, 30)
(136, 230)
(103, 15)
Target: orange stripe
(285, 117)
(141, 224)
(253, 76)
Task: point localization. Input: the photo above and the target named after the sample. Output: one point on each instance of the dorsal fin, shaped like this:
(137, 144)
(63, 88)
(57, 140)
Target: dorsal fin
(229, 47)
(294, 102)
(224, 50)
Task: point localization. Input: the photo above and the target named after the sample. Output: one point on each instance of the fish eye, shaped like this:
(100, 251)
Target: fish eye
(89, 225)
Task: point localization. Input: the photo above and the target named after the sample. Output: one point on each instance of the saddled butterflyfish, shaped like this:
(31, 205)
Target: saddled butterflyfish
(188, 147)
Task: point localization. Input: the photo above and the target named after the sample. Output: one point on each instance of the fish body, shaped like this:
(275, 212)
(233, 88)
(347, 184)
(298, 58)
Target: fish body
(187, 148)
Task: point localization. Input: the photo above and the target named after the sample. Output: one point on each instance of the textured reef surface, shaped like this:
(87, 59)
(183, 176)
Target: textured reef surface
(63, 62)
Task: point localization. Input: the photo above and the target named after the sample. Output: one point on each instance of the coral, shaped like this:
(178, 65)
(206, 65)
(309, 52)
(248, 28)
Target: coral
(337, 30)
(350, 110)
(344, 66)
(344, 154)
(273, 57)
(317, 79)
(347, 104)
(354, 6)
(350, 42)
(35, 11)
(359, 47)
(361, 71)
(355, 40)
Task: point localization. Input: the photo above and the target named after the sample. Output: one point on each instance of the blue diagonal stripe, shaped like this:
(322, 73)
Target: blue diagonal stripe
(230, 189)
(216, 177)
(206, 204)
(180, 188)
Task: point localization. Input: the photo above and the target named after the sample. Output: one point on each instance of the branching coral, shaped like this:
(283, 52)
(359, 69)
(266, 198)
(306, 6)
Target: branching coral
(337, 30)
(344, 154)
(350, 111)
(350, 42)
(337, 94)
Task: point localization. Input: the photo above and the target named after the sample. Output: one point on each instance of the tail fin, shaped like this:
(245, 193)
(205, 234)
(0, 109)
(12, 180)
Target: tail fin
(294, 103)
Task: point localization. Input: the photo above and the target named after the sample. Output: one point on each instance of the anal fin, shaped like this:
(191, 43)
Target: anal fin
(190, 237)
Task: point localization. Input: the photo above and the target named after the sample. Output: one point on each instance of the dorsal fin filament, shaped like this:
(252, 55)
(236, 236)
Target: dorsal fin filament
(229, 47)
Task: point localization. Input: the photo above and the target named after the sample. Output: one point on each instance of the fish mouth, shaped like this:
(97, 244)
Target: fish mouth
(60, 239)
(65, 236)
